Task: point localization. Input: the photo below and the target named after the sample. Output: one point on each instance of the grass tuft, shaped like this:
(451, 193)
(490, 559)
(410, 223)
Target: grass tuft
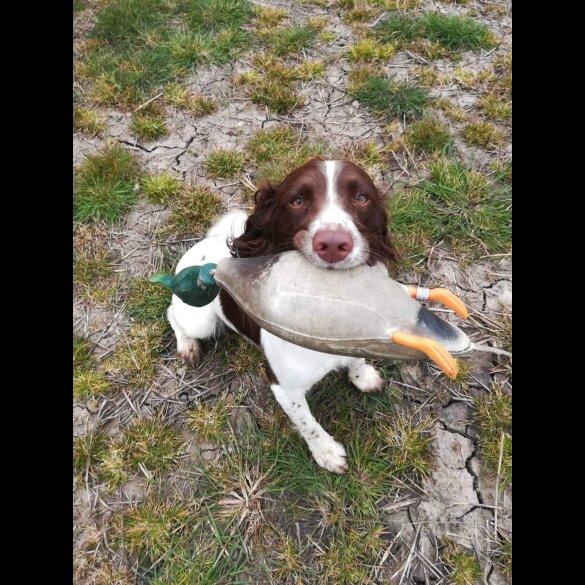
(278, 151)
(196, 104)
(90, 383)
(151, 443)
(88, 450)
(208, 421)
(146, 302)
(495, 107)
(148, 124)
(267, 16)
(289, 40)
(429, 135)
(241, 357)
(366, 154)
(142, 45)
(465, 569)
(494, 419)
(93, 279)
(224, 164)
(150, 529)
(390, 99)
(88, 122)
(483, 134)
(409, 445)
(104, 185)
(469, 211)
(273, 82)
(370, 50)
(160, 189)
(193, 211)
(451, 32)
(134, 361)
(81, 352)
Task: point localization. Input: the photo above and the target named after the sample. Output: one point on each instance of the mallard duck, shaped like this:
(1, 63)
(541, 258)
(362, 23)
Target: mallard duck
(359, 312)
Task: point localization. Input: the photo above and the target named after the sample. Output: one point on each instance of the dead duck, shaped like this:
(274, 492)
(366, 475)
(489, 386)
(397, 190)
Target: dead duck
(359, 312)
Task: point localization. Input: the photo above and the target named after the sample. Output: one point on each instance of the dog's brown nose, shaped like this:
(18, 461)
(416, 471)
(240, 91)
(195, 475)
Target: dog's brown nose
(332, 245)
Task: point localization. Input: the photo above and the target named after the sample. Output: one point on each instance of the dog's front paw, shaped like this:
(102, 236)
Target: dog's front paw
(329, 454)
(366, 378)
(188, 350)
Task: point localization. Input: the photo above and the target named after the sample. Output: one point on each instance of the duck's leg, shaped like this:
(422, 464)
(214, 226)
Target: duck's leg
(433, 349)
(440, 295)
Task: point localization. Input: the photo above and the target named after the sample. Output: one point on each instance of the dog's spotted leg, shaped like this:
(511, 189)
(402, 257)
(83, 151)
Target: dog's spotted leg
(364, 377)
(327, 452)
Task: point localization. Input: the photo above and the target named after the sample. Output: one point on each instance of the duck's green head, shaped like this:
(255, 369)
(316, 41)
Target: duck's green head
(206, 275)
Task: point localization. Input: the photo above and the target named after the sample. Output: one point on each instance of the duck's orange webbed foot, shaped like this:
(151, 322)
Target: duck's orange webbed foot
(440, 295)
(433, 349)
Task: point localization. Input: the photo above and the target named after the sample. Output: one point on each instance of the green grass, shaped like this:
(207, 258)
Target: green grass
(87, 453)
(93, 278)
(142, 45)
(288, 40)
(103, 188)
(265, 477)
(267, 145)
(148, 445)
(224, 164)
(208, 421)
(134, 361)
(390, 99)
(370, 50)
(278, 151)
(267, 16)
(451, 32)
(88, 380)
(90, 267)
(196, 104)
(273, 82)
(79, 5)
(88, 122)
(90, 383)
(240, 356)
(494, 419)
(160, 189)
(495, 107)
(409, 445)
(192, 212)
(149, 529)
(429, 135)
(81, 352)
(276, 97)
(146, 302)
(469, 211)
(365, 154)
(504, 559)
(148, 124)
(152, 443)
(483, 134)
(465, 569)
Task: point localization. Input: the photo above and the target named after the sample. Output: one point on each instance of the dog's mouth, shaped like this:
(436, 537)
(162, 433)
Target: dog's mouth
(302, 242)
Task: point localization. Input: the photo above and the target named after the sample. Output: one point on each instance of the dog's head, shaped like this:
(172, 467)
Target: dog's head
(330, 210)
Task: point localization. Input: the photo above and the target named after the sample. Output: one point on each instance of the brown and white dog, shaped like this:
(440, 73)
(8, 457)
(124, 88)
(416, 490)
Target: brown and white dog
(329, 210)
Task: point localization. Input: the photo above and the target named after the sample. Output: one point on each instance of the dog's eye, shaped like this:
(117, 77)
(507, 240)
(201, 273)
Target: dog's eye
(361, 198)
(297, 201)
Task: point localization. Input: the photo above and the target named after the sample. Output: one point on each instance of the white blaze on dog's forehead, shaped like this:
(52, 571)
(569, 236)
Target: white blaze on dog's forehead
(332, 167)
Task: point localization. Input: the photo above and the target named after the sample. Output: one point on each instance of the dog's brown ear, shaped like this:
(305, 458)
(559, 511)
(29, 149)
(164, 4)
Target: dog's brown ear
(258, 236)
(265, 195)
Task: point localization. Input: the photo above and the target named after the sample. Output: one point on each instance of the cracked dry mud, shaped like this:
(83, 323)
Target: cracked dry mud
(458, 499)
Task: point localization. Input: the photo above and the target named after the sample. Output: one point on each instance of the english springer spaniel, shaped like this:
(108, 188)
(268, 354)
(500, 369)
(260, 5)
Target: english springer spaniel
(329, 210)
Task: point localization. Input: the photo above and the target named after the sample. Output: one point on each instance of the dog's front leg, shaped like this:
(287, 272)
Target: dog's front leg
(327, 452)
